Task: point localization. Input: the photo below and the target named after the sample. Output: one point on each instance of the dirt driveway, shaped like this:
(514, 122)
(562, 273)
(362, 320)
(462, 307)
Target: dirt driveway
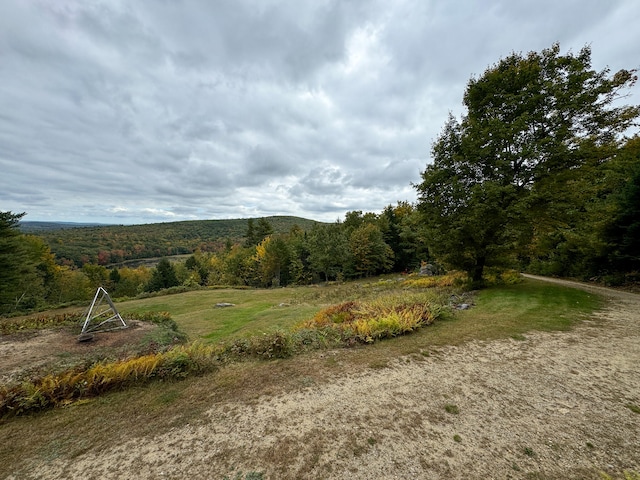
(554, 406)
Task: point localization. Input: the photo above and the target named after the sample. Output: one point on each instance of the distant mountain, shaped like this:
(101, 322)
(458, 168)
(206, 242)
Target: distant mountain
(31, 227)
(75, 243)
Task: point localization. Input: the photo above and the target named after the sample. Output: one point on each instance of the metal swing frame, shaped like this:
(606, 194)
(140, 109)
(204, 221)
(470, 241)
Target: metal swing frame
(115, 317)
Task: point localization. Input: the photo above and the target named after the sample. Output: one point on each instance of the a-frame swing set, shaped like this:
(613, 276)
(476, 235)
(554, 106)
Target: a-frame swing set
(101, 321)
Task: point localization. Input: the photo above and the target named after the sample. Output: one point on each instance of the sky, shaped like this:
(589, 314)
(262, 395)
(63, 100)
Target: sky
(145, 111)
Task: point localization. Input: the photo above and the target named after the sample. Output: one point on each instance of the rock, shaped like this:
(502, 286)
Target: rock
(225, 304)
(426, 269)
(463, 306)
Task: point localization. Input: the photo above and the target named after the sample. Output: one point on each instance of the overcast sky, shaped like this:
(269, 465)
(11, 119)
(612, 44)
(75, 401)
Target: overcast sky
(150, 111)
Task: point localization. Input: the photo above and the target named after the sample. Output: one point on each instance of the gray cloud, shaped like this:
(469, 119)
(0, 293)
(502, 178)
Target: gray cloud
(134, 112)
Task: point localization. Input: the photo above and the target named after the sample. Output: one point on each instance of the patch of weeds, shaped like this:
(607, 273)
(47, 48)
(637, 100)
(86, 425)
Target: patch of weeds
(425, 353)
(519, 337)
(590, 445)
(371, 441)
(168, 397)
(515, 467)
(457, 438)
(379, 364)
(633, 408)
(528, 451)
(452, 409)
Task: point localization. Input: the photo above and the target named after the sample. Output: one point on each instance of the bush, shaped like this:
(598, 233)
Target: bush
(83, 382)
(39, 322)
(366, 322)
(278, 344)
(449, 280)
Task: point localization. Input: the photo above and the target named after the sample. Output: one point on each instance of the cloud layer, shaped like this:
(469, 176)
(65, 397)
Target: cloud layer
(135, 112)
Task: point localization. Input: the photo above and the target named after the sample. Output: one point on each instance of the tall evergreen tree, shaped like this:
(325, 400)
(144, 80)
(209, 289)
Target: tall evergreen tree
(164, 276)
(20, 283)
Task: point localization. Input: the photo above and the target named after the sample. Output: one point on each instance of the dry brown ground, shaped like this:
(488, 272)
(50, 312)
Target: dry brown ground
(552, 406)
(60, 346)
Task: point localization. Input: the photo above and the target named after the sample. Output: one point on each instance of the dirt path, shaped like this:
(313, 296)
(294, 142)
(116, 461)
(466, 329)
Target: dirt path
(551, 406)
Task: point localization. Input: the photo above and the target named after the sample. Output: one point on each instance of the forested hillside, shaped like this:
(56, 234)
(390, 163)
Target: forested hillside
(106, 245)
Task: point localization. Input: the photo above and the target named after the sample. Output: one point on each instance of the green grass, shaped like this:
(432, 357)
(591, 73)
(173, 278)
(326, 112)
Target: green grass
(254, 311)
(513, 310)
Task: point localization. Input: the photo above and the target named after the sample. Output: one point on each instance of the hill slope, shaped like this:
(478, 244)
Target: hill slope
(116, 243)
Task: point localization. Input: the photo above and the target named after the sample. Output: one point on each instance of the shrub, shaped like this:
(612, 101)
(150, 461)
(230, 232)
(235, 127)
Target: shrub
(366, 322)
(39, 322)
(278, 344)
(64, 387)
(449, 280)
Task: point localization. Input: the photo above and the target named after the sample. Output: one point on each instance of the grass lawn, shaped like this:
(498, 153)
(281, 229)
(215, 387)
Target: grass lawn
(512, 310)
(254, 311)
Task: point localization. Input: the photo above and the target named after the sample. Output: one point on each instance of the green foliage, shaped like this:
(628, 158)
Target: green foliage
(370, 254)
(267, 346)
(448, 280)
(273, 259)
(500, 175)
(257, 233)
(597, 238)
(622, 233)
(164, 276)
(20, 282)
(328, 250)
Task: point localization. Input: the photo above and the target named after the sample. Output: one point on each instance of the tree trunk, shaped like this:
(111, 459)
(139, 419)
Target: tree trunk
(476, 273)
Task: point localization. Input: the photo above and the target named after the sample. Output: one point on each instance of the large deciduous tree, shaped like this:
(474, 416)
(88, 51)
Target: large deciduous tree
(328, 250)
(498, 173)
(369, 252)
